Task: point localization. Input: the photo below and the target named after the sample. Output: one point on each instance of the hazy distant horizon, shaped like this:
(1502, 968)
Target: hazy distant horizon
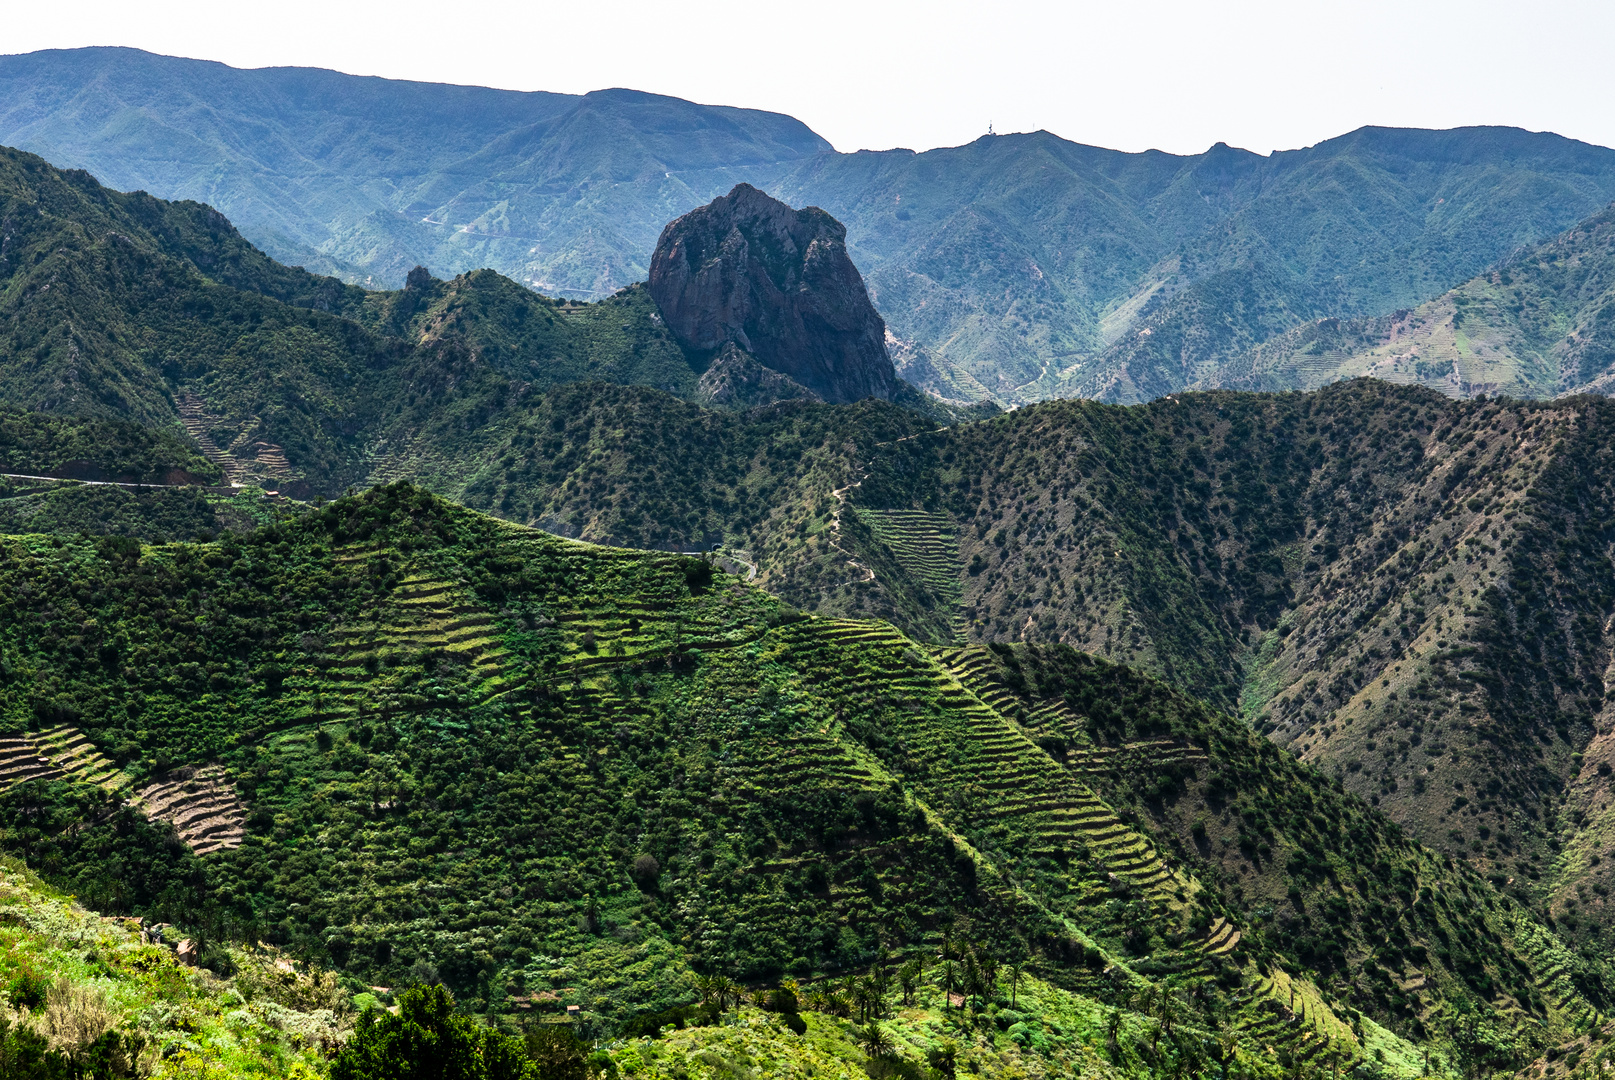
(1181, 77)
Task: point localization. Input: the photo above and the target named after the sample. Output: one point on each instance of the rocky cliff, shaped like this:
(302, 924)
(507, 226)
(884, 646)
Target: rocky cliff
(749, 270)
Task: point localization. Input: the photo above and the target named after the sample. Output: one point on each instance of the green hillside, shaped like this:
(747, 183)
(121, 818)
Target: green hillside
(1298, 557)
(1534, 327)
(417, 743)
(1187, 537)
(414, 742)
(97, 995)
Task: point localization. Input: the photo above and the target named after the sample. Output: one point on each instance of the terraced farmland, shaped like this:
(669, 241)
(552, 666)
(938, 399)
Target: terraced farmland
(77, 758)
(20, 761)
(520, 761)
(202, 806)
(926, 546)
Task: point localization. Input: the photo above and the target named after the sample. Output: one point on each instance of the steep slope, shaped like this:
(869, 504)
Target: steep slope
(1300, 557)
(107, 996)
(1534, 327)
(366, 177)
(1408, 591)
(468, 750)
(106, 311)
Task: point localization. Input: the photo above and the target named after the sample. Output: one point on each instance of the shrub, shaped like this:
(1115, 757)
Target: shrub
(427, 1040)
(556, 1052)
(697, 573)
(646, 872)
(27, 989)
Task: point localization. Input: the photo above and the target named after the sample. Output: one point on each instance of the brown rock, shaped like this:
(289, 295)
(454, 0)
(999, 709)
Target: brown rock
(749, 270)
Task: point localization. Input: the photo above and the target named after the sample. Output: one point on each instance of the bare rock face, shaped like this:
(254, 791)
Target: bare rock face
(747, 269)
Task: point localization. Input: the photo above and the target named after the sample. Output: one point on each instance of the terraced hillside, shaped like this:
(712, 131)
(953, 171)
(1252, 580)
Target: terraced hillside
(1229, 805)
(1404, 589)
(926, 546)
(462, 749)
(201, 806)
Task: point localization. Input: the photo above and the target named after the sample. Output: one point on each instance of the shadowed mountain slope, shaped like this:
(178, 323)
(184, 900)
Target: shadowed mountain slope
(130, 308)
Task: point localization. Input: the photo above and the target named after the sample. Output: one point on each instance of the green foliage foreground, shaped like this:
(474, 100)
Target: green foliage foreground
(443, 748)
(427, 1040)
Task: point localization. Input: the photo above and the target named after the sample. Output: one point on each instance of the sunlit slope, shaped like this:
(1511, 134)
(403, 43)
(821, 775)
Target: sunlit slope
(453, 743)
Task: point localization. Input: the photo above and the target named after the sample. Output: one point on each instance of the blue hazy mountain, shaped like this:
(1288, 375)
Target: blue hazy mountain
(368, 177)
(1020, 266)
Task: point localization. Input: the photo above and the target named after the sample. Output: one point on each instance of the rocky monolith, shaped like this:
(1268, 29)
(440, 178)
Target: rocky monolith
(778, 283)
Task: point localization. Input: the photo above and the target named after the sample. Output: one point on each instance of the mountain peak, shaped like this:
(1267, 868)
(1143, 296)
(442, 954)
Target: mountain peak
(748, 269)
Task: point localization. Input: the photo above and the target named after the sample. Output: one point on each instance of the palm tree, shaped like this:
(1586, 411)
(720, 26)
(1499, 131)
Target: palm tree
(948, 972)
(1227, 1047)
(873, 1038)
(1147, 999)
(1169, 1007)
(972, 975)
(880, 981)
(717, 990)
(866, 997)
(908, 977)
(989, 965)
(1016, 970)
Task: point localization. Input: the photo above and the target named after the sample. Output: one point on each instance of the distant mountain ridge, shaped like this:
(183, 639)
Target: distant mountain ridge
(1541, 324)
(367, 177)
(1019, 266)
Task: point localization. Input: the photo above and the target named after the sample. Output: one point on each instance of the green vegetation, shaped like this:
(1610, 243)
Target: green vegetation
(436, 746)
(414, 744)
(1409, 591)
(427, 1040)
(38, 444)
(156, 514)
(102, 997)
(1536, 326)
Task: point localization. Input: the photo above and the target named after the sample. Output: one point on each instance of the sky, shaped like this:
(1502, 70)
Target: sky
(1173, 75)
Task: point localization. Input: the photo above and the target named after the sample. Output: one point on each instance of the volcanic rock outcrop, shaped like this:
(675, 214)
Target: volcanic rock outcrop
(749, 270)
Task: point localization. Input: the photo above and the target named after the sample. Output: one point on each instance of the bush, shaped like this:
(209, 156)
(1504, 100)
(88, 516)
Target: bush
(426, 1040)
(556, 1052)
(27, 989)
(697, 573)
(646, 872)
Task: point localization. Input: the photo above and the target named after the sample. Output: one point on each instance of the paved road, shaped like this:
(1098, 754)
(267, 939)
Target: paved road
(113, 483)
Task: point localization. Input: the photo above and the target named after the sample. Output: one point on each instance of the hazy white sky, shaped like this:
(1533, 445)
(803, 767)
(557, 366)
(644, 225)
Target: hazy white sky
(1173, 74)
